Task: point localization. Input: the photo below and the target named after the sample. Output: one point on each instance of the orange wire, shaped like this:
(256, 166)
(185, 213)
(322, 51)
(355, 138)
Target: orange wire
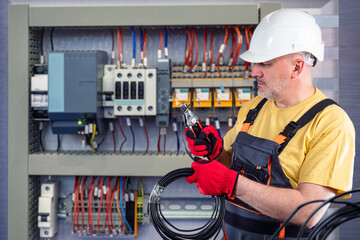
(144, 44)
(91, 190)
(118, 43)
(83, 189)
(111, 204)
(211, 46)
(232, 43)
(247, 64)
(75, 202)
(238, 47)
(196, 47)
(161, 39)
(100, 204)
(220, 54)
(187, 57)
(205, 42)
(191, 44)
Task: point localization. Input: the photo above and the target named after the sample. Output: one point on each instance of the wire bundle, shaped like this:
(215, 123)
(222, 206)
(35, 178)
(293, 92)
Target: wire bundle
(169, 231)
(322, 230)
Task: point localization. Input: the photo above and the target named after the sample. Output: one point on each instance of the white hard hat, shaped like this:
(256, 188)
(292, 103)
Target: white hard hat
(283, 32)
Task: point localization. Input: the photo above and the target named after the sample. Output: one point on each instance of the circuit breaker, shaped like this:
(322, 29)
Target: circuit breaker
(48, 206)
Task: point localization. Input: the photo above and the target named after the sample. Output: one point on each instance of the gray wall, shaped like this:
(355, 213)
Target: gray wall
(349, 72)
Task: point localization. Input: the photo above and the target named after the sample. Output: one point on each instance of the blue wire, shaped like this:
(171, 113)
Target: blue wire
(133, 135)
(218, 130)
(166, 37)
(101, 142)
(141, 40)
(134, 41)
(122, 207)
(178, 141)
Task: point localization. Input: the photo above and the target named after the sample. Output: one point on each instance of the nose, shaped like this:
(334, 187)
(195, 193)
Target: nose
(256, 72)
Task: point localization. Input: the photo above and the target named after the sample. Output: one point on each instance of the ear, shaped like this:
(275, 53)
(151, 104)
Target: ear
(298, 67)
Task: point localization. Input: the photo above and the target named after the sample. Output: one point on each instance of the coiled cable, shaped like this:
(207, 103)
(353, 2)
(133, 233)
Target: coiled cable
(167, 230)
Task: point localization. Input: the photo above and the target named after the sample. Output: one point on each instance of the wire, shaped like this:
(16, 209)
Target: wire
(247, 33)
(122, 208)
(168, 230)
(82, 192)
(161, 40)
(51, 39)
(188, 52)
(133, 137)
(193, 66)
(100, 186)
(238, 47)
(144, 49)
(42, 42)
(117, 201)
(122, 132)
(205, 59)
(58, 143)
(114, 140)
(111, 204)
(134, 42)
(93, 137)
(222, 49)
(108, 200)
(324, 202)
(91, 195)
(232, 47)
(141, 187)
(211, 49)
(76, 198)
(146, 134)
(141, 42)
(41, 127)
(159, 138)
(118, 44)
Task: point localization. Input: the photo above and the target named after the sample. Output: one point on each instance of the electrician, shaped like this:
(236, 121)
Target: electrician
(272, 161)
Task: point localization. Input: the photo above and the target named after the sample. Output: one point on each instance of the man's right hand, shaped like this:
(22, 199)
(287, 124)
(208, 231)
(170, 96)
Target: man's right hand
(205, 142)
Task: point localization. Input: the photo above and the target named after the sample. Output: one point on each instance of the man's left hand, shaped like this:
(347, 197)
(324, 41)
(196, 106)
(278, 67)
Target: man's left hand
(213, 178)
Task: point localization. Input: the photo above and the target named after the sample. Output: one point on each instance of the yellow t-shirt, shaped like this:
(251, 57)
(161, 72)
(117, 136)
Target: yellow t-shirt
(322, 152)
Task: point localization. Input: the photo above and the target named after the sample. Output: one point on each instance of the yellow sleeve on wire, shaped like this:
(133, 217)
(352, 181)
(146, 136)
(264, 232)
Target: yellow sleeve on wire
(92, 138)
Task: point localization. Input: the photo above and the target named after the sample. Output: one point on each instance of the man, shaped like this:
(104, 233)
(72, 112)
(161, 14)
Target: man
(288, 145)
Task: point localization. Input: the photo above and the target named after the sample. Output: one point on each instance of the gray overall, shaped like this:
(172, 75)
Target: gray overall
(258, 159)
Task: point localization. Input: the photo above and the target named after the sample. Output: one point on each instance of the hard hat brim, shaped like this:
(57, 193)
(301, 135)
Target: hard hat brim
(249, 56)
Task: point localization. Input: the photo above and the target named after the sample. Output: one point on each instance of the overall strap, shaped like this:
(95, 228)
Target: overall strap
(290, 130)
(251, 116)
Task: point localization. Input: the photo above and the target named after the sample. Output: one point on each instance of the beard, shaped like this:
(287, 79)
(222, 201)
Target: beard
(274, 89)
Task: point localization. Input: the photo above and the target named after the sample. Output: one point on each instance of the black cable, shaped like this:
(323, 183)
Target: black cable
(41, 42)
(168, 230)
(58, 142)
(51, 39)
(41, 142)
(328, 219)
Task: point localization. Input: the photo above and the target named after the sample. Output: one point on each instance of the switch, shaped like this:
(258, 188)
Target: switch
(117, 90)
(133, 90)
(126, 90)
(141, 90)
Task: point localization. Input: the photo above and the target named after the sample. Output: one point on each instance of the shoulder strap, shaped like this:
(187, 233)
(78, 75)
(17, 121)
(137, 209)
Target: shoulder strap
(290, 130)
(251, 116)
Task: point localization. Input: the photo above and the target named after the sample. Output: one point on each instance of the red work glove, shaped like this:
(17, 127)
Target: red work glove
(213, 178)
(204, 143)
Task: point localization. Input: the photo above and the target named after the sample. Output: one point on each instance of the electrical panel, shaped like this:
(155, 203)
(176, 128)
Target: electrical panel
(99, 89)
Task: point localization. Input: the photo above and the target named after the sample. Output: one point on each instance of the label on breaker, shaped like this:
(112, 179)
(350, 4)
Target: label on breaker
(181, 94)
(244, 94)
(223, 95)
(202, 94)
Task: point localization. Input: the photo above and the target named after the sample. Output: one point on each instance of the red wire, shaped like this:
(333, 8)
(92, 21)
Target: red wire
(164, 142)
(108, 199)
(122, 132)
(91, 194)
(187, 57)
(158, 145)
(205, 42)
(111, 204)
(144, 44)
(75, 200)
(220, 54)
(100, 204)
(196, 48)
(118, 43)
(78, 208)
(232, 43)
(191, 55)
(238, 47)
(122, 44)
(247, 64)
(83, 190)
(161, 39)
(147, 139)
